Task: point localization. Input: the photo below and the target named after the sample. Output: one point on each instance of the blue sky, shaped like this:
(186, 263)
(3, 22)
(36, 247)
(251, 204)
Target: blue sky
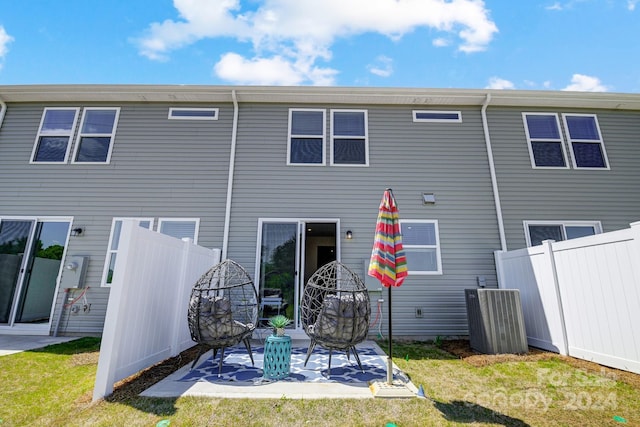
(585, 45)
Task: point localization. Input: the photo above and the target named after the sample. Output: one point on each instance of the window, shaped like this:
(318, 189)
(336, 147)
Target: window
(587, 147)
(538, 231)
(95, 138)
(114, 241)
(546, 147)
(437, 116)
(349, 139)
(53, 140)
(180, 228)
(306, 137)
(422, 246)
(193, 113)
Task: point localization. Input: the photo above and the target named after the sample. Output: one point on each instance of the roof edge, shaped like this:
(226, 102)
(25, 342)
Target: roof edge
(316, 94)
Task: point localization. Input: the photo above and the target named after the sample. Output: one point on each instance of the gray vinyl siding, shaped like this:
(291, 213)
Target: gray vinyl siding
(449, 160)
(158, 168)
(610, 196)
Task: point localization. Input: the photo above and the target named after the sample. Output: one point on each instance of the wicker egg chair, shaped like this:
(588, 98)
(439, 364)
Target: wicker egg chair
(223, 310)
(335, 310)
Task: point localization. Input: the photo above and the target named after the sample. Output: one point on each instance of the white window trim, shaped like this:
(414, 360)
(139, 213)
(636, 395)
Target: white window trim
(443, 120)
(589, 141)
(324, 137)
(194, 220)
(105, 271)
(436, 247)
(365, 137)
(207, 117)
(597, 226)
(60, 134)
(111, 135)
(529, 140)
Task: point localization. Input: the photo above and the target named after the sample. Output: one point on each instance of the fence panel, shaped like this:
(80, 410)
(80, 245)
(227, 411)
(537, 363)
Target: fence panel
(146, 320)
(581, 297)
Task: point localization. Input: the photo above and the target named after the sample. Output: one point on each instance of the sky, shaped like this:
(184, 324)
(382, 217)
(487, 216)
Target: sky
(582, 45)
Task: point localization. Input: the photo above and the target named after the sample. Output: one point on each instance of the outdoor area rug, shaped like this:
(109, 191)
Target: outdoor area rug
(237, 367)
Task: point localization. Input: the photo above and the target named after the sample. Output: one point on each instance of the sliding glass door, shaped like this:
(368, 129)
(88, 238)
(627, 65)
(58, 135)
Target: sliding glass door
(289, 252)
(31, 252)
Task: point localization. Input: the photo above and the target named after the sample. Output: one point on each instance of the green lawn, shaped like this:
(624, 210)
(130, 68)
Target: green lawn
(53, 387)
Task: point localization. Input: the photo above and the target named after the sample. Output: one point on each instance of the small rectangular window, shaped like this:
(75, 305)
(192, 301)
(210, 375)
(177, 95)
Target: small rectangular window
(97, 131)
(587, 147)
(193, 113)
(546, 147)
(538, 231)
(54, 136)
(114, 243)
(306, 137)
(437, 116)
(349, 138)
(180, 228)
(422, 246)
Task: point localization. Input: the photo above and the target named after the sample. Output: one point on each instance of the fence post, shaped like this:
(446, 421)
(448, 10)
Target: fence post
(549, 255)
(497, 255)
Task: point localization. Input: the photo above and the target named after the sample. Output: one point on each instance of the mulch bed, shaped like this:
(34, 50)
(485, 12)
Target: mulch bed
(134, 385)
(461, 349)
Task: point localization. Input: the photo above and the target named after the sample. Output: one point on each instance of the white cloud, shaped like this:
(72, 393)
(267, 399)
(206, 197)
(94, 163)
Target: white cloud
(269, 71)
(5, 39)
(441, 42)
(302, 32)
(383, 68)
(498, 83)
(631, 4)
(582, 83)
(555, 6)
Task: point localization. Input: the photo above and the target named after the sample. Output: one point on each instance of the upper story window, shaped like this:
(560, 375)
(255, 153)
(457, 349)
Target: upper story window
(306, 137)
(437, 116)
(546, 147)
(95, 138)
(54, 136)
(538, 231)
(421, 244)
(587, 147)
(349, 137)
(193, 113)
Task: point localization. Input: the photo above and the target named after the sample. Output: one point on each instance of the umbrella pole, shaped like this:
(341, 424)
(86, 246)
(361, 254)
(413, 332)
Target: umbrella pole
(390, 358)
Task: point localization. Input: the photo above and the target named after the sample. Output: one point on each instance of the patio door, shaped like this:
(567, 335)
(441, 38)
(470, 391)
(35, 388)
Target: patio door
(31, 253)
(289, 252)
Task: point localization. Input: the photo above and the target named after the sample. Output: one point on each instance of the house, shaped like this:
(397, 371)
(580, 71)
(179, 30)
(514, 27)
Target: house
(284, 179)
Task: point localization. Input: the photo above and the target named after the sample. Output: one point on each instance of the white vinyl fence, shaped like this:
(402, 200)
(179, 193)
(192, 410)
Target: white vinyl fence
(146, 319)
(581, 297)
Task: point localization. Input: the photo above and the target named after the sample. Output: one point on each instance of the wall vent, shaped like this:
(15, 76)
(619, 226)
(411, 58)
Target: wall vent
(496, 323)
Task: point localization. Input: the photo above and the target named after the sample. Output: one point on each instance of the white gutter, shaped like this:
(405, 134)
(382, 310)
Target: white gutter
(492, 170)
(3, 110)
(232, 165)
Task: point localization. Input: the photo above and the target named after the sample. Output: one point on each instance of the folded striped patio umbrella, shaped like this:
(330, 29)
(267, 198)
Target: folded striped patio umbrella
(388, 261)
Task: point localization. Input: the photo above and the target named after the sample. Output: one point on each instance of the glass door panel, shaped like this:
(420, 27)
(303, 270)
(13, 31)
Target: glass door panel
(41, 275)
(278, 270)
(14, 236)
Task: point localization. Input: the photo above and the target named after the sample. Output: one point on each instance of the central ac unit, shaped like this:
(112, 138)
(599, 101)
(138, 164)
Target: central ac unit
(496, 323)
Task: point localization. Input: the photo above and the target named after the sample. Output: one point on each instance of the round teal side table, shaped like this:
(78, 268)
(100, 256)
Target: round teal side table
(277, 357)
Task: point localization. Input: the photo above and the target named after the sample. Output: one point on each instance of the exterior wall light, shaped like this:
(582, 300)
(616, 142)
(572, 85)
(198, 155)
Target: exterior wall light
(76, 231)
(349, 235)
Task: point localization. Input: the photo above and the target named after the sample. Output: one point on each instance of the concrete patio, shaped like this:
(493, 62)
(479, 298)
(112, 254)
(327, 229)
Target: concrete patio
(240, 379)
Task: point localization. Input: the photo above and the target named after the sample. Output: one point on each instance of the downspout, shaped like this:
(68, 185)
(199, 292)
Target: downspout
(3, 110)
(492, 170)
(232, 165)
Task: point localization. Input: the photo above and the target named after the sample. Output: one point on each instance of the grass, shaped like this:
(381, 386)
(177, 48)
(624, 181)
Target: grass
(53, 387)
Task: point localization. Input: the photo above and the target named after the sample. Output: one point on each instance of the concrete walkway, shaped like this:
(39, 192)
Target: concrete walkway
(10, 344)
